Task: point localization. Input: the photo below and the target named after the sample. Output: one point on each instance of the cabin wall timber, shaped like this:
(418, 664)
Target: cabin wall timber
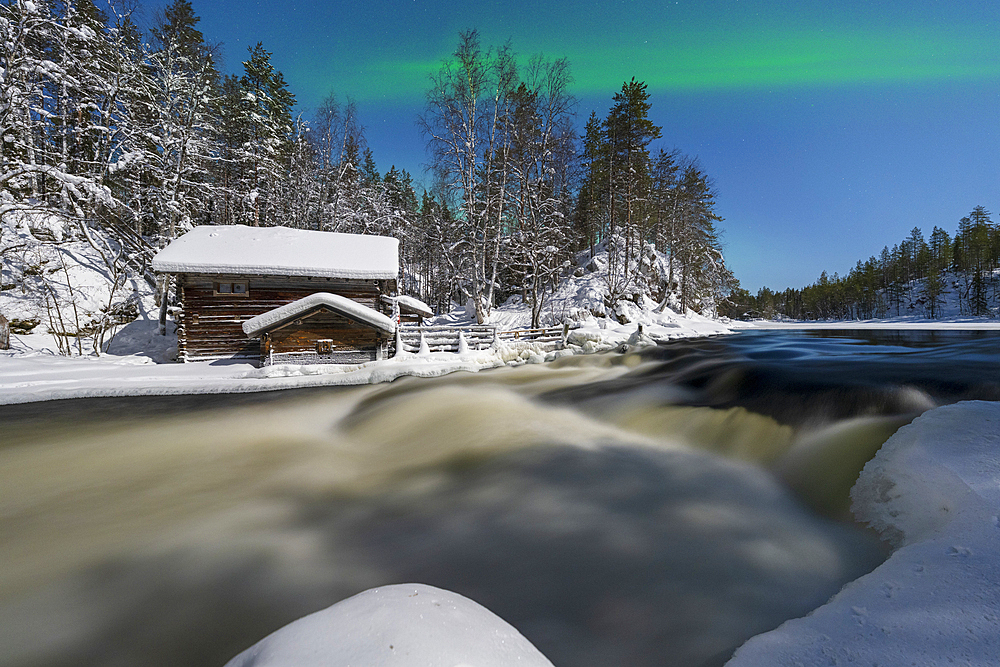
(211, 323)
(302, 339)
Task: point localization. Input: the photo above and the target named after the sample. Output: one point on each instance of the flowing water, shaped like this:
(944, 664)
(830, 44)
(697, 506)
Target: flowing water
(655, 508)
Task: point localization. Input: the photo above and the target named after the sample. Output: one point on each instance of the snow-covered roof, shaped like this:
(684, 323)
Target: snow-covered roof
(341, 304)
(280, 251)
(411, 304)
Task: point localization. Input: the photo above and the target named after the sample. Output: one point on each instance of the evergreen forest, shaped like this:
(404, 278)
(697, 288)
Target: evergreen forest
(139, 133)
(911, 278)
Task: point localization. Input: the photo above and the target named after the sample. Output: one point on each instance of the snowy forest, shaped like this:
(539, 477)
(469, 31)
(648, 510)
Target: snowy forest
(138, 136)
(910, 279)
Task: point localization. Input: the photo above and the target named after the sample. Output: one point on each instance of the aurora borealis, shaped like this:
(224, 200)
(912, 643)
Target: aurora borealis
(831, 129)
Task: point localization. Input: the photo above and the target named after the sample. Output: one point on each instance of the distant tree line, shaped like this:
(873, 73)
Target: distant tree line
(141, 132)
(908, 279)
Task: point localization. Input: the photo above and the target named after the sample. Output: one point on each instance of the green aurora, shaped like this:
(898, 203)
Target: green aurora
(709, 61)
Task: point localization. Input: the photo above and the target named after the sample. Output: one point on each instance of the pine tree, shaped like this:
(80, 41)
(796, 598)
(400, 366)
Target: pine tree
(589, 216)
(940, 249)
(265, 153)
(229, 185)
(628, 132)
(933, 292)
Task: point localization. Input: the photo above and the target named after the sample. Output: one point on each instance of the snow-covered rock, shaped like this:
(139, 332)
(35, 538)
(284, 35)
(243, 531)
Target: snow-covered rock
(407, 625)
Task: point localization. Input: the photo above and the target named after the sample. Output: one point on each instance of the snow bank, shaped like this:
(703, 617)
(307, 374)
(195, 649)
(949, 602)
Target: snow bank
(396, 626)
(56, 282)
(933, 491)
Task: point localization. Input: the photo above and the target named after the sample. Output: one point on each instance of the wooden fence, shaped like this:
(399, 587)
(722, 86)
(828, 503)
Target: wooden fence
(444, 338)
(555, 334)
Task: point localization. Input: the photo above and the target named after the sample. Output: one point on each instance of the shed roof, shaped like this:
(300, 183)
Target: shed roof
(409, 304)
(281, 251)
(340, 304)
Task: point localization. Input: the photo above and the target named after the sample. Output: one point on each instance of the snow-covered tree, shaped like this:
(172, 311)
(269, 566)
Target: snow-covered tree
(183, 116)
(267, 109)
(467, 105)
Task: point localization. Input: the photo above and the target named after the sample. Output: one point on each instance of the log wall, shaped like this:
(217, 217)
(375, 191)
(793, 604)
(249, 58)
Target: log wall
(346, 339)
(211, 325)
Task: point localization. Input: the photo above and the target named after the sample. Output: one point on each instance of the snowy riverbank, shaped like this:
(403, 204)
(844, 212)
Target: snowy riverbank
(138, 361)
(135, 364)
(934, 490)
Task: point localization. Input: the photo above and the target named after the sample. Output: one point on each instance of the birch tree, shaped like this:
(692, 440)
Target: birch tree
(469, 99)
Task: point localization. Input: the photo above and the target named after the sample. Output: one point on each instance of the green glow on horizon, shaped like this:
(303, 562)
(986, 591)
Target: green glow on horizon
(719, 62)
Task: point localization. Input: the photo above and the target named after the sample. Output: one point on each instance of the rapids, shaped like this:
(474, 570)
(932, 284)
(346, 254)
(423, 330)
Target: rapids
(652, 508)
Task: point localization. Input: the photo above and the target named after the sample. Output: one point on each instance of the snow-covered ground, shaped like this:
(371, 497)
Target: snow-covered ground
(33, 370)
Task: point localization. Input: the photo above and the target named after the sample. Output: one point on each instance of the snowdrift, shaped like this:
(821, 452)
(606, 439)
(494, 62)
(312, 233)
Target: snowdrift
(396, 626)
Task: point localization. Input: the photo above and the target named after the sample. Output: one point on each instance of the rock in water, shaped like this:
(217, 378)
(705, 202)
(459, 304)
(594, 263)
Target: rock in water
(396, 626)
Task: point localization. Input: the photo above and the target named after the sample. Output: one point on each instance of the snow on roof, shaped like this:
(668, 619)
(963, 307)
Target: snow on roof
(412, 304)
(280, 251)
(341, 304)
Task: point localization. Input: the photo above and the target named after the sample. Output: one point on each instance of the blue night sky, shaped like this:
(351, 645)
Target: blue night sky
(831, 128)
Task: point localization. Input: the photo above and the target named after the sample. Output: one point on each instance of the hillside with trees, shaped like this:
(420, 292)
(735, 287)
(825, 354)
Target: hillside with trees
(911, 278)
(140, 137)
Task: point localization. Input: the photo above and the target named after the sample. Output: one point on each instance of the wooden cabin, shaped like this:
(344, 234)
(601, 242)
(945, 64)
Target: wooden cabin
(229, 275)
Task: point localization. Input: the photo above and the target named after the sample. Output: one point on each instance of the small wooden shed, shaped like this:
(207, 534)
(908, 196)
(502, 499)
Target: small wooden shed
(228, 275)
(323, 328)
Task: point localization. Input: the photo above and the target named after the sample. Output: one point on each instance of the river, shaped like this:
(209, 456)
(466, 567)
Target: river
(653, 508)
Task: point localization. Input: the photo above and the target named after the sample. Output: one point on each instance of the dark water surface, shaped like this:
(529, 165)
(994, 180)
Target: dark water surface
(655, 508)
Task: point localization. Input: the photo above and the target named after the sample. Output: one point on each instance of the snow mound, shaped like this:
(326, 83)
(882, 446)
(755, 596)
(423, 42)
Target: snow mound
(933, 490)
(933, 473)
(396, 626)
